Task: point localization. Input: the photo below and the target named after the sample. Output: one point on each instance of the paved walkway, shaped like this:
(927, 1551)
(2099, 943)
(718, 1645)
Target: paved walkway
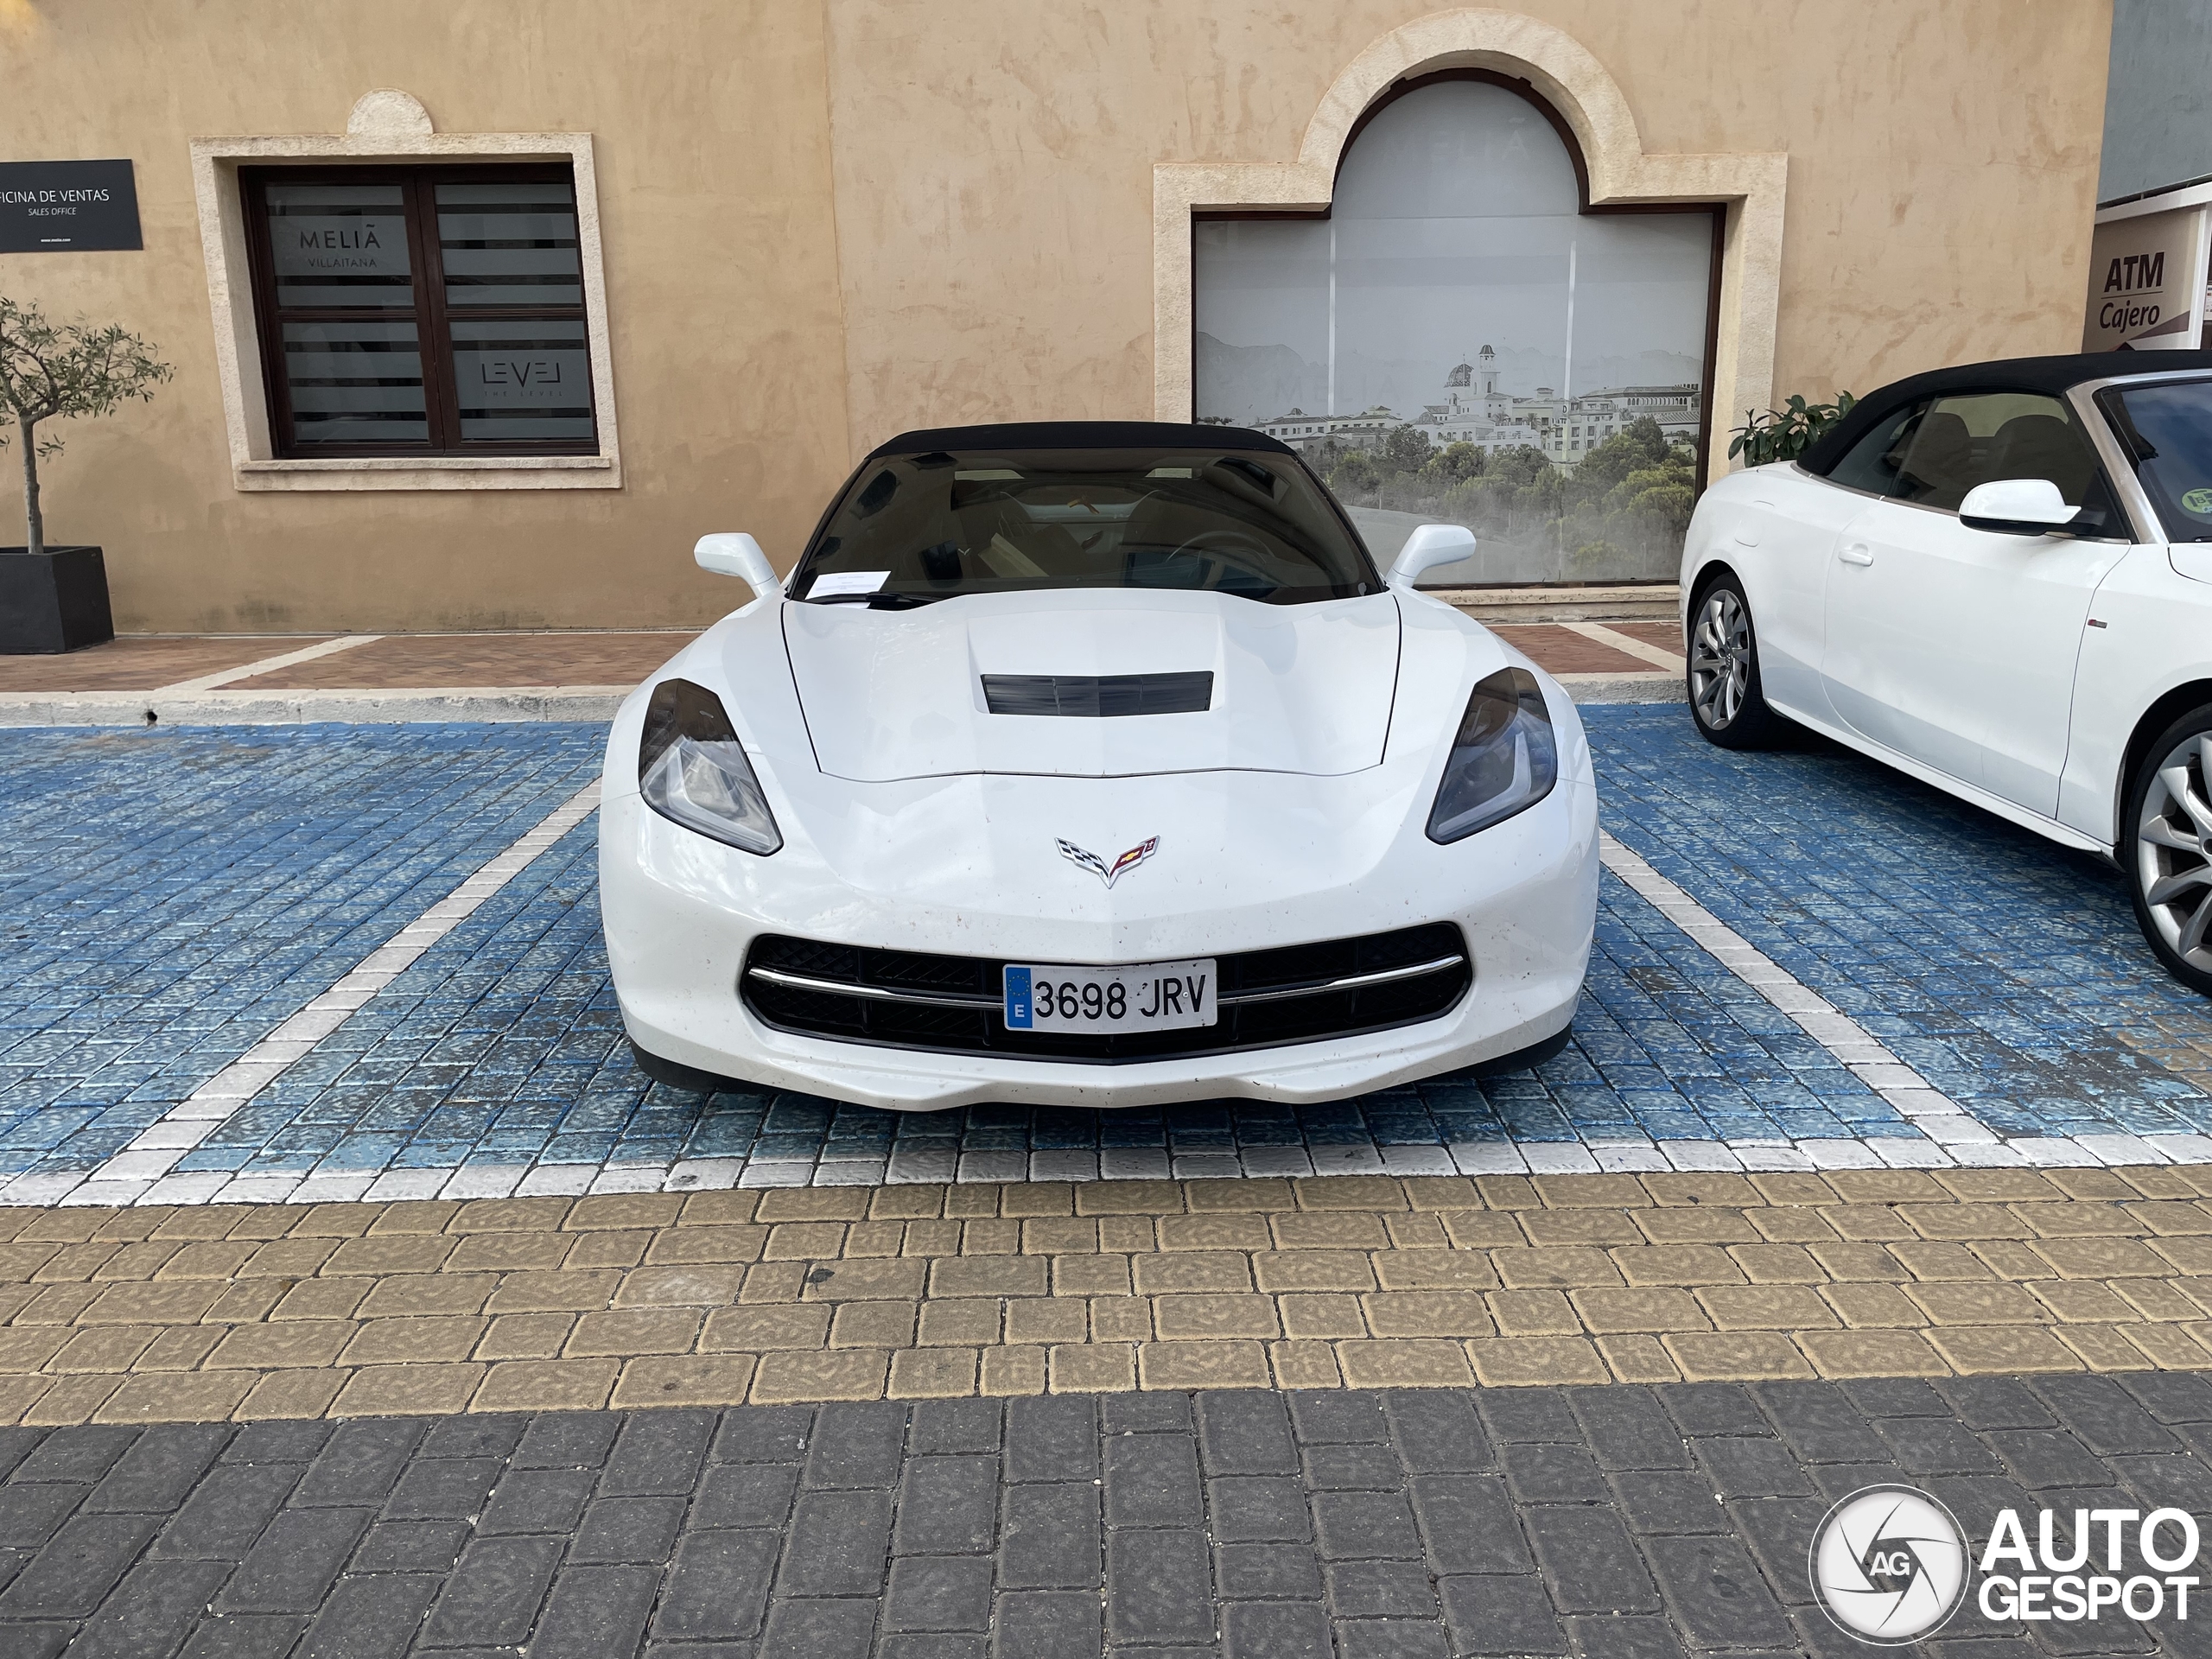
(1366, 1525)
(420, 661)
(216, 1311)
(577, 675)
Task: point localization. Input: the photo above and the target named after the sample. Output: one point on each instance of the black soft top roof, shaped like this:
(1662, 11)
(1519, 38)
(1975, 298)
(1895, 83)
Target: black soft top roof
(1080, 435)
(2053, 375)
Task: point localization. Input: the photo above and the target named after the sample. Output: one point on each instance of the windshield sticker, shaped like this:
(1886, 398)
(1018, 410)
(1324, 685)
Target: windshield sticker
(831, 584)
(2198, 502)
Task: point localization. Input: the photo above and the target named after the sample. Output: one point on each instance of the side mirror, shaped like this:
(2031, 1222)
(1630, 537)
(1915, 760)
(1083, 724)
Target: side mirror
(1428, 547)
(2016, 506)
(733, 553)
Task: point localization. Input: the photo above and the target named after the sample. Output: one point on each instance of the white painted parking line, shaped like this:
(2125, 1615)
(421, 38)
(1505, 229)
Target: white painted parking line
(265, 665)
(1627, 644)
(144, 1172)
(1868, 1057)
(1953, 1135)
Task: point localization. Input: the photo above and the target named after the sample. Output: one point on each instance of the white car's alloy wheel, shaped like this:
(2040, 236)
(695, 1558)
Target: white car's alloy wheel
(1720, 659)
(2173, 850)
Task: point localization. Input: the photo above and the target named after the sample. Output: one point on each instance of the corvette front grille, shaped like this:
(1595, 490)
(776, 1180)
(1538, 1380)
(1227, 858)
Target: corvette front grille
(1268, 999)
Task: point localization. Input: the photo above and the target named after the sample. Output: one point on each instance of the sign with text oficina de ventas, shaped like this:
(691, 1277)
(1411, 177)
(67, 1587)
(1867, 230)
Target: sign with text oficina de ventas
(67, 207)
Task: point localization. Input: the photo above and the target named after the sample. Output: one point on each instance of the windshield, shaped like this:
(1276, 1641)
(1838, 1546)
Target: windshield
(2167, 432)
(910, 529)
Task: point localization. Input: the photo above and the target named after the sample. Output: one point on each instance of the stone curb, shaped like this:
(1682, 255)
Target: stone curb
(1657, 687)
(351, 707)
(1636, 602)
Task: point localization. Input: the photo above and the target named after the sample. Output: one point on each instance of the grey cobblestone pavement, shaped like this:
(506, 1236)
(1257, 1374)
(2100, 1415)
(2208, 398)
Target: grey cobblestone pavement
(1621, 1521)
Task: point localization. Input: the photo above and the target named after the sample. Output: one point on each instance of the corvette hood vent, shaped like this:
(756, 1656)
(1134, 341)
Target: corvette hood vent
(1098, 695)
(1221, 683)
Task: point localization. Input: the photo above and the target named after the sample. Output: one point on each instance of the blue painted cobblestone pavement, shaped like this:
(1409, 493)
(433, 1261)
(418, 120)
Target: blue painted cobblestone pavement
(168, 898)
(171, 897)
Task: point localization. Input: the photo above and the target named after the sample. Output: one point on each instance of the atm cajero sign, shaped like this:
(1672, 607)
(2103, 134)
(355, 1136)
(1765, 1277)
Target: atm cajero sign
(2135, 288)
(2145, 275)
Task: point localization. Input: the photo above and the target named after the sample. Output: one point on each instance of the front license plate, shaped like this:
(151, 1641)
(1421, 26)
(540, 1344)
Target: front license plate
(1144, 996)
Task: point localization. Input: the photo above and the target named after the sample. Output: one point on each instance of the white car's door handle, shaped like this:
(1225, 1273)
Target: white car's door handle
(1857, 553)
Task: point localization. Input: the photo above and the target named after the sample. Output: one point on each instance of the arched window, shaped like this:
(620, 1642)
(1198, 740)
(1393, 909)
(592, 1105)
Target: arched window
(1460, 338)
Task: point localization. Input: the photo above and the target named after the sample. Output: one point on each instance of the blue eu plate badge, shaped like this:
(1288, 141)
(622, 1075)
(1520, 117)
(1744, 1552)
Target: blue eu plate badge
(1018, 1006)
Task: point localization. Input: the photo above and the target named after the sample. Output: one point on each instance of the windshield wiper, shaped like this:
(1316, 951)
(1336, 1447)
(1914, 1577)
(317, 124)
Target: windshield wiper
(880, 602)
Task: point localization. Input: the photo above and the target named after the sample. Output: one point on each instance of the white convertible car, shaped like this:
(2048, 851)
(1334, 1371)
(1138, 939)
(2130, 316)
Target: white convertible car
(1094, 764)
(1998, 579)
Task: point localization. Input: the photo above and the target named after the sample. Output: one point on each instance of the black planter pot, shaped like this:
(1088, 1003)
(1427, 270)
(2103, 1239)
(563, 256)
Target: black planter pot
(55, 602)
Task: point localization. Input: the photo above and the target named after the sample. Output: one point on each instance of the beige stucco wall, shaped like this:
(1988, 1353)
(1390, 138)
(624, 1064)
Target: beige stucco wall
(713, 164)
(827, 222)
(996, 258)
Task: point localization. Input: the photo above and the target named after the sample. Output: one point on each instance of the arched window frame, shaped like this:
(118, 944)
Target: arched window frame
(1527, 92)
(1753, 184)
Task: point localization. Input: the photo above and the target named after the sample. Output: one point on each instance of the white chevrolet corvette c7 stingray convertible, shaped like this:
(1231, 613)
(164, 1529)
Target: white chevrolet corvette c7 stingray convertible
(1094, 764)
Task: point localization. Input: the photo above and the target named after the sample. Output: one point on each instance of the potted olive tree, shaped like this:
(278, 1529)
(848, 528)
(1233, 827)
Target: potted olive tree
(55, 599)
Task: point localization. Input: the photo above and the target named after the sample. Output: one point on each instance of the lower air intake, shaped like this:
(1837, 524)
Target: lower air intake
(954, 1005)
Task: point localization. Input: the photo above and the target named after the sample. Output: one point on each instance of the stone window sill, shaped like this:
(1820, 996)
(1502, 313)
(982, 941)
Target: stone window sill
(434, 473)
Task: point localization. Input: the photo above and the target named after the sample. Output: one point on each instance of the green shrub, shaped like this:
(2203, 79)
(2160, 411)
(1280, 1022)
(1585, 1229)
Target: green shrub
(1786, 433)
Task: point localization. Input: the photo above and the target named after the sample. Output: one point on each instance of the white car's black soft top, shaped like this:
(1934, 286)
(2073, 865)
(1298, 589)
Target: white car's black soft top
(2051, 375)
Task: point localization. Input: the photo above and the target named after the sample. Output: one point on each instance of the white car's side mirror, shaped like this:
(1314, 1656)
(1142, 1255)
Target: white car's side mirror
(2016, 506)
(1428, 547)
(733, 553)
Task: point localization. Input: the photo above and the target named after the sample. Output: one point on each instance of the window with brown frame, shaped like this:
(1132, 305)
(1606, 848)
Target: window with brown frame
(421, 310)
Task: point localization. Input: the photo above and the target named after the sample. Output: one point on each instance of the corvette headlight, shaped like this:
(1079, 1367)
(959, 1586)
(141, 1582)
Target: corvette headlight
(1504, 759)
(692, 769)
